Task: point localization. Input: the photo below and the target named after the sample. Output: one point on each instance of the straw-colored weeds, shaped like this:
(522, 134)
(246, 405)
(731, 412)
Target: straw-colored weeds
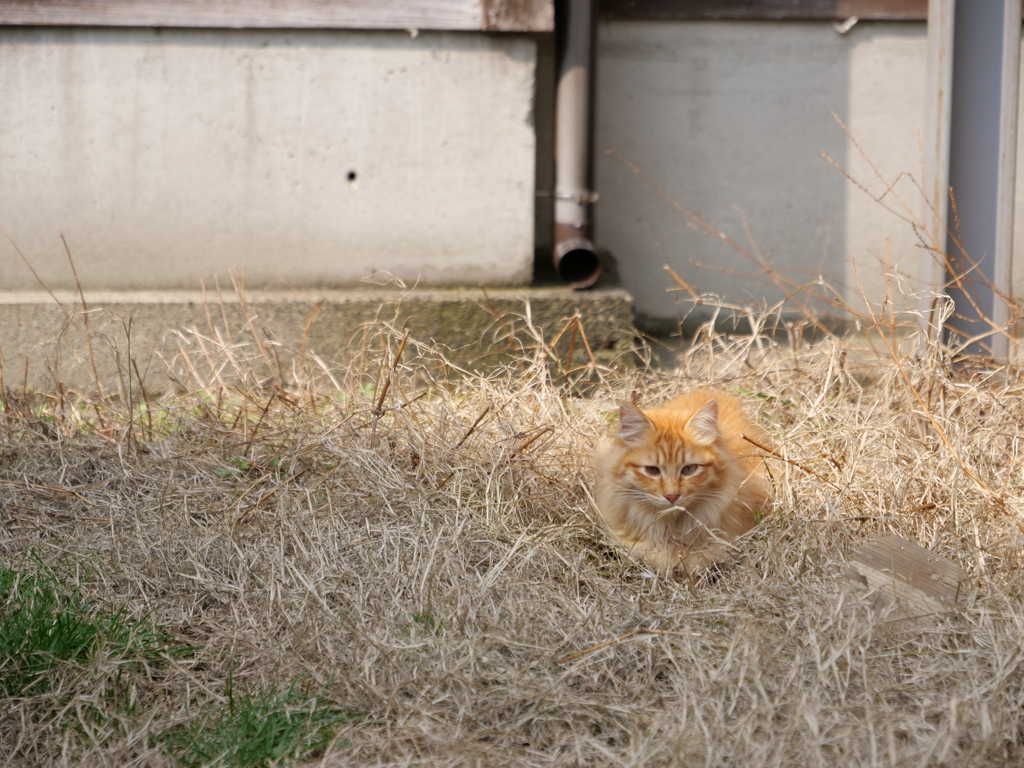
(420, 548)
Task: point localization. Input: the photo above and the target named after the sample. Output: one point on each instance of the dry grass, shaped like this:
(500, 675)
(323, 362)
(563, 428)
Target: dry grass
(423, 556)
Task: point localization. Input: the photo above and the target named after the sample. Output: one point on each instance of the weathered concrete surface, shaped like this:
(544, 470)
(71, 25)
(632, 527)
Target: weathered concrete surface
(470, 327)
(167, 157)
(731, 119)
(304, 158)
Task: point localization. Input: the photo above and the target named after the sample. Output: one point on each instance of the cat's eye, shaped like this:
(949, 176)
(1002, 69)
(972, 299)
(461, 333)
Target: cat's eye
(689, 469)
(652, 471)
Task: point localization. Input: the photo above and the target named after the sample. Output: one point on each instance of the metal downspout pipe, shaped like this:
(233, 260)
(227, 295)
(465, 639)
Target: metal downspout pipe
(575, 256)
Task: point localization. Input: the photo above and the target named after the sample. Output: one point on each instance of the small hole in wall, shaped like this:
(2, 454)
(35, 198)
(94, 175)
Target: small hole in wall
(351, 176)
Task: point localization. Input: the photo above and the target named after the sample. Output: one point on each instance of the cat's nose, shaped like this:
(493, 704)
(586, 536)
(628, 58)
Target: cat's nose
(671, 497)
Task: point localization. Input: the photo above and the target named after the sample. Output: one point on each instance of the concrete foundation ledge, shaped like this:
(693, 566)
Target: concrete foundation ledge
(160, 336)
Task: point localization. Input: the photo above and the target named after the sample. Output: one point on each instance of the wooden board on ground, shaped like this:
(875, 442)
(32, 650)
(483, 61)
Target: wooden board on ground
(891, 570)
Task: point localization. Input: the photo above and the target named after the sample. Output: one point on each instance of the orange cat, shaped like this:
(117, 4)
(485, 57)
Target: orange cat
(678, 483)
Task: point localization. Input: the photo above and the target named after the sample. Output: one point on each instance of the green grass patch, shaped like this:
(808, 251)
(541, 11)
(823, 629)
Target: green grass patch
(258, 730)
(44, 626)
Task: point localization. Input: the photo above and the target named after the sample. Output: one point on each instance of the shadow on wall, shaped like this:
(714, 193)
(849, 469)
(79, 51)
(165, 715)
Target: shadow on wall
(730, 119)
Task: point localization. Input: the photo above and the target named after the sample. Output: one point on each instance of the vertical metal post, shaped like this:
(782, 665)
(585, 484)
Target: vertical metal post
(1008, 111)
(938, 89)
(982, 170)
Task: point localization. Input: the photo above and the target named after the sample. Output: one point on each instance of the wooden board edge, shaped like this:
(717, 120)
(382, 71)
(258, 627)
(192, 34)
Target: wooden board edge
(765, 10)
(487, 16)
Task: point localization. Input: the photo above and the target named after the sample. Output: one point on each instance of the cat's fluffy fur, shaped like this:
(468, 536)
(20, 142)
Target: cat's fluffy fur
(651, 459)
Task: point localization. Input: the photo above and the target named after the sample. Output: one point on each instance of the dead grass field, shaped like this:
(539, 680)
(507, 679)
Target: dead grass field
(411, 551)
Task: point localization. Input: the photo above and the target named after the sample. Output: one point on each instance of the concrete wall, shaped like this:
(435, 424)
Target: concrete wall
(731, 119)
(170, 157)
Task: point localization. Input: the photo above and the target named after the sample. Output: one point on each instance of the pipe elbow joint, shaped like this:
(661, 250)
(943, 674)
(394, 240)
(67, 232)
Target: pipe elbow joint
(576, 262)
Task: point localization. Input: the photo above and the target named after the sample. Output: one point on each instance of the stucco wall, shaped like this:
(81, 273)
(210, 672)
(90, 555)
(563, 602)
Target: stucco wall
(174, 156)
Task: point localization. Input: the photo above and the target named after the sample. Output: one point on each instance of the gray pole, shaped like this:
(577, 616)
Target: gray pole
(982, 168)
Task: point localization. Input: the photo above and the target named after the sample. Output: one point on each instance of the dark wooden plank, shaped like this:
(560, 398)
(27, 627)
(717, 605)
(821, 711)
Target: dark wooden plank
(894, 10)
(494, 15)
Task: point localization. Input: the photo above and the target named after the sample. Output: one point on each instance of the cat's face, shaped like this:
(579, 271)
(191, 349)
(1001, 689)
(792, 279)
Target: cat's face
(672, 460)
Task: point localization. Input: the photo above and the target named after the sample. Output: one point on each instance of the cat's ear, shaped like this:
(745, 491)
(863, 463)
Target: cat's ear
(634, 425)
(703, 425)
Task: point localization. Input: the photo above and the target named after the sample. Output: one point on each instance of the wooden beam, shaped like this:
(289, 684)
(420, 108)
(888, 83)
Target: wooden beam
(892, 10)
(480, 15)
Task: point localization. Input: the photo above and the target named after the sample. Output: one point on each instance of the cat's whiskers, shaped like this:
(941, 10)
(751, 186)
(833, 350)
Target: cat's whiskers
(625, 492)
